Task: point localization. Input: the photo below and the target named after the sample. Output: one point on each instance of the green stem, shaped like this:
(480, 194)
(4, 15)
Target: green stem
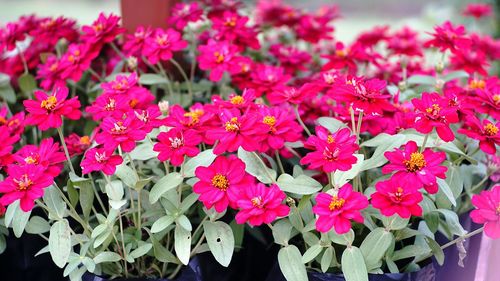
(123, 244)
(61, 136)
(73, 212)
(117, 51)
(164, 74)
(23, 59)
(424, 143)
(297, 115)
(358, 129)
(278, 159)
(184, 75)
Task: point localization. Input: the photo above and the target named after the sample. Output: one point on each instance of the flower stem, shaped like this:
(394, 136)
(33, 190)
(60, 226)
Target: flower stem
(424, 143)
(278, 159)
(118, 51)
(358, 129)
(61, 136)
(297, 115)
(184, 75)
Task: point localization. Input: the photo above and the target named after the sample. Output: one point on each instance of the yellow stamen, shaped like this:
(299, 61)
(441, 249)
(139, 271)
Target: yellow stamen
(434, 109)
(85, 140)
(399, 194)
(257, 201)
(416, 162)
(330, 139)
(237, 100)
(23, 183)
(477, 84)
(220, 181)
(219, 58)
(336, 203)
(490, 129)
(232, 125)
(50, 103)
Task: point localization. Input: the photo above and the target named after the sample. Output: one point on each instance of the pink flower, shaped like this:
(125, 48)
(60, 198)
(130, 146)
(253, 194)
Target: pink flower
(331, 151)
(434, 111)
(218, 57)
(420, 169)
(339, 209)
(237, 130)
(25, 183)
(103, 30)
(50, 73)
(47, 110)
(175, 144)
(77, 144)
(487, 133)
(121, 132)
(231, 27)
(76, 61)
(478, 10)
(108, 105)
(363, 95)
(150, 118)
(162, 44)
(100, 159)
(448, 37)
(7, 140)
(266, 79)
(259, 204)
(221, 182)
(282, 127)
(48, 155)
(134, 43)
(397, 196)
(405, 42)
(51, 30)
(488, 211)
(293, 95)
(184, 13)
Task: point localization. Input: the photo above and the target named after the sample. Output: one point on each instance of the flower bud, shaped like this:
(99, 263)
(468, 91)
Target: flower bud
(132, 63)
(164, 106)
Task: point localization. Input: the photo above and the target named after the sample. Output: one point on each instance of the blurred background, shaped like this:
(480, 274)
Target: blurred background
(357, 15)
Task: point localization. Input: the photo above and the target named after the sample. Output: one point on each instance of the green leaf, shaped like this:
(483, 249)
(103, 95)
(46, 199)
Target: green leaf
(290, 262)
(107, 257)
(54, 202)
(8, 94)
(37, 225)
(141, 250)
(152, 79)
(375, 245)
(183, 221)
(452, 222)
(182, 244)
(383, 142)
(256, 167)
(300, 185)
(445, 188)
(204, 159)
(165, 184)
(394, 222)
(311, 253)
(341, 239)
(455, 75)
(86, 199)
(162, 223)
(27, 83)
(188, 202)
(332, 124)
(161, 253)
(282, 230)
(220, 240)
(19, 222)
(326, 259)
(143, 152)
(408, 252)
(127, 175)
(342, 177)
(422, 80)
(436, 250)
(60, 242)
(353, 265)
(72, 193)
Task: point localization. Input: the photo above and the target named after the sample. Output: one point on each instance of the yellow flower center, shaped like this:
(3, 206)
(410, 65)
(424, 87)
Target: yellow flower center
(416, 162)
(498, 209)
(340, 53)
(330, 139)
(336, 203)
(133, 102)
(53, 67)
(398, 196)
(237, 100)
(110, 106)
(31, 160)
(3, 121)
(23, 183)
(219, 58)
(74, 56)
(490, 129)
(257, 201)
(220, 181)
(50, 103)
(98, 27)
(162, 40)
(269, 120)
(477, 84)
(232, 125)
(120, 85)
(496, 98)
(194, 116)
(85, 140)
(433, 110)
(230, 22)
(118, 128)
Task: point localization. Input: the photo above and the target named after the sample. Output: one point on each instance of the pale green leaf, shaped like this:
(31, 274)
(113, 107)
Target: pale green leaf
(220, 240)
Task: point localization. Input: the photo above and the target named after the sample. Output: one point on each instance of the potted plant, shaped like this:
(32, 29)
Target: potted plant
(353, 156)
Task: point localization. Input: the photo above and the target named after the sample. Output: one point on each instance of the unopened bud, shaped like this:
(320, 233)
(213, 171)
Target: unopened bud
(439, 67)
(290, 202)
(164, 106)
(132, 63)
(402, 86)
(439, 84)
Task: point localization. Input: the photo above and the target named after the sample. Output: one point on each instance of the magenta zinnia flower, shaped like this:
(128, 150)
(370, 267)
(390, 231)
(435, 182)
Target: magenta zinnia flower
(487, 133)
(259, 204)
(162, 44)
(339, 209)
(331, 151)
(397, 196)
(434, 111)
(488, 211)
(121, 132)
(282, 127)
(416, 167)
(100, 159)
(47, 110)
(175, 144)
(221, 182)
(48, 155)
(25, 183)
(219, 57)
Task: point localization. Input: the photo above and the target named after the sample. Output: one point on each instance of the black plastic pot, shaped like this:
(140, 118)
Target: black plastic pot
(427, 273)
